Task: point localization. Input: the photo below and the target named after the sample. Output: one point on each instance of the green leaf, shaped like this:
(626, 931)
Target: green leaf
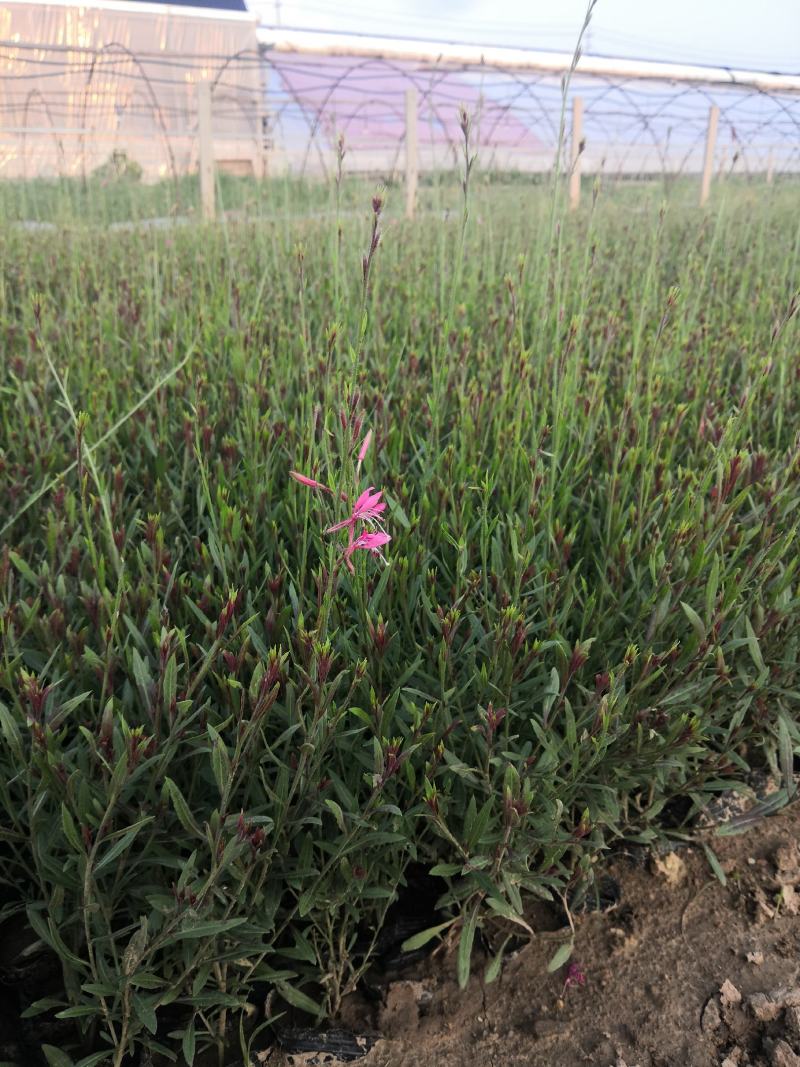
(70, 832)
(495, 964)
(95, 1059)
(170, 683)
(424, 936)
(56, 1057)
(446, 870)
(551, 692)
(39, 1007)
(182, 809)
(502, 907)
(28, 575)
(11, 734)
(715, 865)
(78, 1012)
(739, 823)
(753, 647)
(145, 980)
(697, 623)
(144, 1008)
(220, 761)
(208, 929)
(397, 513)
(562, 954)
(298, 999)
(465, 948)
(255, 681)
(200, 979)
(786, 753)
(711, 589)
(141, 674)
(46, 930)
(188, 1044)
(122, 843)
(338, 814)
(74, 702)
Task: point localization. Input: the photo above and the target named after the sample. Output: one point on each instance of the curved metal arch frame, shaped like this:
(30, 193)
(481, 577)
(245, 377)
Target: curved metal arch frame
(124, 50)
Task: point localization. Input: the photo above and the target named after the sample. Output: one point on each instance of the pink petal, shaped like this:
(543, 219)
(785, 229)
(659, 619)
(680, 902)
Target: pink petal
(340, 525)
(364, 446)
(369, 503)
(362, 501)
(372, 540)
(311, 483)
(368, 541)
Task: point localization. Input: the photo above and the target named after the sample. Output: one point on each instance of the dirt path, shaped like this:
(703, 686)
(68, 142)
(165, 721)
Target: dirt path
(682, 972)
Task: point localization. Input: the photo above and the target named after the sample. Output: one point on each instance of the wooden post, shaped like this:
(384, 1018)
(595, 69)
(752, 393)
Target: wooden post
(412, 154)
(577, 149)
(263, 136)
(205, 149)
(708, 163)
(770, 166)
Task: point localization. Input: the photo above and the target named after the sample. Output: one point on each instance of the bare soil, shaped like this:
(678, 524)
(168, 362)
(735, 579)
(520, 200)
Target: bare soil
(681, 972)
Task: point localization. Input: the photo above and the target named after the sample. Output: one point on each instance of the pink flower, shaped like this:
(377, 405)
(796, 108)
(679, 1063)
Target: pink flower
(369, 541)
(364, 447)
(366, 509)
(575, 976)
(309, 482)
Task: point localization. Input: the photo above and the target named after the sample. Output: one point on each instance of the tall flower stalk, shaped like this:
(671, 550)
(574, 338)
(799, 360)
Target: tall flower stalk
(363, 525)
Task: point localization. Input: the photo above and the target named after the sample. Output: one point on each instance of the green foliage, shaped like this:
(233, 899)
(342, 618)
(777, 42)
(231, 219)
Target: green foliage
(219, 751)
(118, 167)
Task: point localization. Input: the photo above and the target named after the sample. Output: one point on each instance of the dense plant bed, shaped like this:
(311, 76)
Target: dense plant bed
(227, 730)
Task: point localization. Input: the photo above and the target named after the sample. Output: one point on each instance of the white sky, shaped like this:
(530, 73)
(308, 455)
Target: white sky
(763, 35)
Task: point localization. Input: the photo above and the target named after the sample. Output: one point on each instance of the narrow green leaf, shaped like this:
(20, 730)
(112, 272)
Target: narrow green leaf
(182, 809)
(220, 761)
(337, 812)
(144, 1009)
(711, 590)
(70, 705)
(56, 1057)
(26, 573)
(188, 1044)
(208, 929)
(697, 623)
(78, 1012)
(141, 674)
(121, 844)
(11, 734)
(39, 1007)
(562, 954)
(715, 865)
(495, 964)
(170, 684)
(298, 999)
(753, 646)
(411, 944)
(95, 1059)
(446, 870)
(465, 948)
(502, 907)
(739, 823)
(786, 753)
(46, 930)
(70, 832)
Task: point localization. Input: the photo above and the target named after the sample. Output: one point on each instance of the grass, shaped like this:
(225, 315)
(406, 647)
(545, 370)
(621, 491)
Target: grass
(221, 751)
(69, 201)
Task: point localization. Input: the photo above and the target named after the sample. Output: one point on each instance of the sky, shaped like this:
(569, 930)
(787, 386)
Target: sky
(763, 35)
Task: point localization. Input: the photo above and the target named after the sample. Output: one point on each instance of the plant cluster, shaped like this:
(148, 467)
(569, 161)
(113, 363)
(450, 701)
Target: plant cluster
(226, 734)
